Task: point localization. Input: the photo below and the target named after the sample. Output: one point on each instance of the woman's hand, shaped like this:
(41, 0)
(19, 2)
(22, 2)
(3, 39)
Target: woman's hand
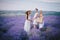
(30, 20)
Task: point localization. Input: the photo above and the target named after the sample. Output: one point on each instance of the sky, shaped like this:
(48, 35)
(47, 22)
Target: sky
(46, 5)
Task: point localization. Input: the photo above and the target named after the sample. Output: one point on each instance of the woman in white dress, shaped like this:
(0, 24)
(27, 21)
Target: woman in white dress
(35, 18)
(41, 20)
(27, 25)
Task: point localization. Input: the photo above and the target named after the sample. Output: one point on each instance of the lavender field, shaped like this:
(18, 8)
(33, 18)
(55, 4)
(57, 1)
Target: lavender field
(11, 28)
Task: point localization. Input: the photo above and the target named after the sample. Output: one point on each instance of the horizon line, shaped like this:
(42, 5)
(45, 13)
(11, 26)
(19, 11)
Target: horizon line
(26, 10)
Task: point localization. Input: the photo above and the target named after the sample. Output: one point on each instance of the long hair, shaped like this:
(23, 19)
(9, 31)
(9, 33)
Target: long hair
(41, 13)
(27, 14)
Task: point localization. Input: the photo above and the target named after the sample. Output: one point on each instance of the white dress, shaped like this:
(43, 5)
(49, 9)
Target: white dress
(27, 25)
(35, 19)
(41, 25)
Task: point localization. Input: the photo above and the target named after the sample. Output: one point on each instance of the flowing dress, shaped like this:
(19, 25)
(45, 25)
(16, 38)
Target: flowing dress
(41, 24)
(35, 19)
(27, 25)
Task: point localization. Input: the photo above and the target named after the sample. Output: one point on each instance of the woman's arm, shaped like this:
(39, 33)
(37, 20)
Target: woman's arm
(35, 15)
(40, 19)
(30, 20)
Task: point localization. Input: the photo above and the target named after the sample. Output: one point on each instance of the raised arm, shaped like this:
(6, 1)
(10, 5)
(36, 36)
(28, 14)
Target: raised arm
(35, 15)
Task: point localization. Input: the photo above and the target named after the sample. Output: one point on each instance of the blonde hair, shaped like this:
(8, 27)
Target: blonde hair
(41, 13)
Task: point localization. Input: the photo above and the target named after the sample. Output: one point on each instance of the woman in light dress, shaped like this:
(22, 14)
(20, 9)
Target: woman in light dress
(27, 25)
(41, 20)
(35, 18)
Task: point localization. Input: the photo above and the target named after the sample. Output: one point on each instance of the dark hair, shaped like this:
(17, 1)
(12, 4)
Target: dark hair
(27, 14)
(36, 9)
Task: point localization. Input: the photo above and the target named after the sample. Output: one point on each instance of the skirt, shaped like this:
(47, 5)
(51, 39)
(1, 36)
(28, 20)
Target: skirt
(27, 26)
(41, 25)
(35, 22)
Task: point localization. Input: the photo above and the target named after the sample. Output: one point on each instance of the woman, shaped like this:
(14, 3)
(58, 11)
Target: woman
(41, 20)
(41, 23)
(27, 22)
(35, 18)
